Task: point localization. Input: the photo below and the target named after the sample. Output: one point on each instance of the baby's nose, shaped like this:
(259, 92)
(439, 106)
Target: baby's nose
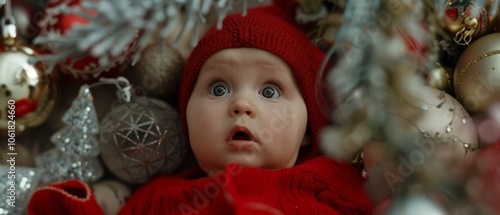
(242, 106)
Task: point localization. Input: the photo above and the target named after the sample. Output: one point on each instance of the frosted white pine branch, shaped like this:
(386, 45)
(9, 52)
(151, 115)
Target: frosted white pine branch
(118, 27)
(372, 61)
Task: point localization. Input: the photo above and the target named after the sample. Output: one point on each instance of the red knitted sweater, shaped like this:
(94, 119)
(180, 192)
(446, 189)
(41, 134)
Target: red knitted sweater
(318, 186)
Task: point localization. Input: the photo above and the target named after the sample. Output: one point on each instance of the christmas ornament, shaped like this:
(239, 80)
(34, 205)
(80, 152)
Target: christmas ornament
(59, 166)
(23, 14)
(18, 184)
(59, 19)
(467, 20)
(158, 72)
(77, 148)
(445, 123)
(78, 137)
(445, 141)
(477, 74)
(140, 139)
(75, 142)
(111, 195)
(440, 78)
(27, 94)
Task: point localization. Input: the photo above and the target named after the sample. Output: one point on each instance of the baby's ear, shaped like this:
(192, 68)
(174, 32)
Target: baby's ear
(306, 141)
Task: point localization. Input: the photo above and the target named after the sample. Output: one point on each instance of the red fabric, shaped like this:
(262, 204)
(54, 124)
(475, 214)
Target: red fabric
(273, 29)
(317, 186)
(488, 164)
(68, 197)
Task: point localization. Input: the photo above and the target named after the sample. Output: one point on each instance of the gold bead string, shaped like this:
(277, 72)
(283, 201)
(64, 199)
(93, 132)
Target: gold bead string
(467, 146)
(472, 63)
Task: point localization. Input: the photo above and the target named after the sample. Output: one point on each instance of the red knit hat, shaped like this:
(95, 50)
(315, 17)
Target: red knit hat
(271, 28)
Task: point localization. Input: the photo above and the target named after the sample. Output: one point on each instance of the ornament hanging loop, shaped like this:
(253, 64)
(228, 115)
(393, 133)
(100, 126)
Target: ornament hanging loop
(464, 36)
(8, 23)
(123, 85)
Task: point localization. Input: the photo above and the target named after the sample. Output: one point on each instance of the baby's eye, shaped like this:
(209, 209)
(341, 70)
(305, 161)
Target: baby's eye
(270, 92)
(219, 89)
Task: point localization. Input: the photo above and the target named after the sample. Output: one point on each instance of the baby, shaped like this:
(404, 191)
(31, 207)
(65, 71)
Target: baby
(248, 104)
(249, 107)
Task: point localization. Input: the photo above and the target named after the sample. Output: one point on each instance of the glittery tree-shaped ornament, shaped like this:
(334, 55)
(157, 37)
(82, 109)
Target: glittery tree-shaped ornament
(82, 113)
(78, 137)
(77, 146)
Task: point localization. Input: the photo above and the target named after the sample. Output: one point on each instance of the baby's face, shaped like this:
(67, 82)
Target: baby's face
(246, 108)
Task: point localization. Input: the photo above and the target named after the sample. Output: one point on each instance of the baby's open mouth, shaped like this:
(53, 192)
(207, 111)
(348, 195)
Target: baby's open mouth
(241, 139)
(241, 136)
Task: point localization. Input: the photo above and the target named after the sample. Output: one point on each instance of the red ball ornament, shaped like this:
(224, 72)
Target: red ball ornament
(86, 69)
(466, 21)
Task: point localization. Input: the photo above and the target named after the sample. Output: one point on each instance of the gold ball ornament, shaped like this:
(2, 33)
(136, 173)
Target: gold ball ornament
(440, 78)
(477, 74)
(27, 94)
(158, 72)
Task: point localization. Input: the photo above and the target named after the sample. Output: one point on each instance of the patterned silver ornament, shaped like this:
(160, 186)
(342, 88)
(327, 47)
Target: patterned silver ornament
(142, 138)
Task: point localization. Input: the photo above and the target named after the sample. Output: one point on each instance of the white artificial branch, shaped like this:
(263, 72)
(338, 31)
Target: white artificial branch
(118, 28)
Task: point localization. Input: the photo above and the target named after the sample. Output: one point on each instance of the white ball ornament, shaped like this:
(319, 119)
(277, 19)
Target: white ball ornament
(111, 195)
